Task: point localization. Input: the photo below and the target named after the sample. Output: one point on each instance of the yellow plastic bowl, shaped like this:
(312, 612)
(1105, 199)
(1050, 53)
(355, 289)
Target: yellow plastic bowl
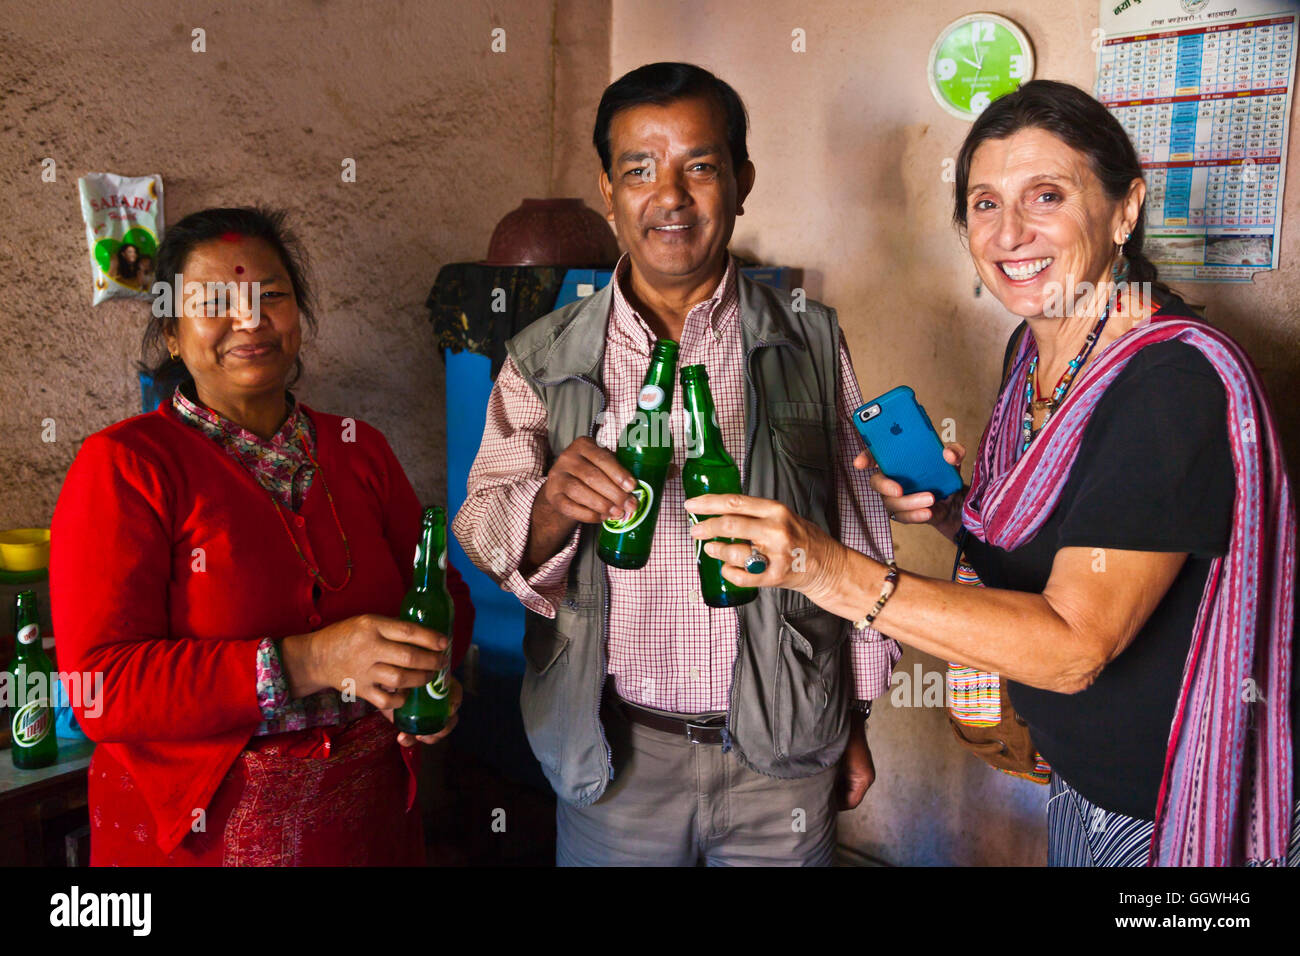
(25, 549)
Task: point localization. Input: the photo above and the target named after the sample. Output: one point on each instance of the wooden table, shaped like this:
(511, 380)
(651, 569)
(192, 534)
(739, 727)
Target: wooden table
(41, 809)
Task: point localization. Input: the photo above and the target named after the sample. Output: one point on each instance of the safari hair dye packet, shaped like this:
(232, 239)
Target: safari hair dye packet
(124, 224)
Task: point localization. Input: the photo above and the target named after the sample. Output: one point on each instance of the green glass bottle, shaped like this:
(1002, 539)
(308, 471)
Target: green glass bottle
(428, 603)
(709, 470)
(31, 676)
(646, 449)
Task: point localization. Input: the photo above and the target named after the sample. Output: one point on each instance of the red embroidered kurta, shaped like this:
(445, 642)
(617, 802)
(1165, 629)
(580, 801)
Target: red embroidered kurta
(169, 564)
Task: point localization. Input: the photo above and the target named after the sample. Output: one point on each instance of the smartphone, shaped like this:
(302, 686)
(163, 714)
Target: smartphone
(898, 433)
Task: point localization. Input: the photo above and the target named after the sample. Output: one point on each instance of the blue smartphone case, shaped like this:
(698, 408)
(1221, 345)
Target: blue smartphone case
(898, 433)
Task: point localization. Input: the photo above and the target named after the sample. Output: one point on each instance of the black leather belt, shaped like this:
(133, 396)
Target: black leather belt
(700, 731)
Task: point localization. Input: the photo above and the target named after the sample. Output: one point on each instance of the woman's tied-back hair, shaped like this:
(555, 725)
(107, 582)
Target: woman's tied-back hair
(179, 242)
(1083, 124)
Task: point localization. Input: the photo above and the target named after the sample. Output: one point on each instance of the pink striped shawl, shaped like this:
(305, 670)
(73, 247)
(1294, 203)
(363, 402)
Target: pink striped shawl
(1226, 795)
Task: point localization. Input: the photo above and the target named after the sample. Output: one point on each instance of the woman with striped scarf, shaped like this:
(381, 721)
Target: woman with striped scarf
(1129, 519)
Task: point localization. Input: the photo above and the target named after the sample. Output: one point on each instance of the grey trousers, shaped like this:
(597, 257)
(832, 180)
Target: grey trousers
(675, 803)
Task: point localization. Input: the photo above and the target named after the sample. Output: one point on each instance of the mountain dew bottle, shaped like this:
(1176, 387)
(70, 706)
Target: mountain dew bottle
(428, 604)
(646, 449)
(31, 677)
(709, 470)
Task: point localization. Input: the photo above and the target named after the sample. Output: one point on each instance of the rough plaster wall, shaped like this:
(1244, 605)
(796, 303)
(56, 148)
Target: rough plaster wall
(581, 75)
(848, 145)
(447, 137)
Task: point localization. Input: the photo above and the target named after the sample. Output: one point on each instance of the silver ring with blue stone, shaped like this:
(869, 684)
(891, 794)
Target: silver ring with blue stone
(756, 563)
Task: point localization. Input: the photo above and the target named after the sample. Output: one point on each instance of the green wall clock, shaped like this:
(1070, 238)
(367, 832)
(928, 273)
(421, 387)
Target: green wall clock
(976, 59)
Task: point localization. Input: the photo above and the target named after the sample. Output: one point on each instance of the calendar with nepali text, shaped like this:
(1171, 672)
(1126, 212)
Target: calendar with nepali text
(1203, 88)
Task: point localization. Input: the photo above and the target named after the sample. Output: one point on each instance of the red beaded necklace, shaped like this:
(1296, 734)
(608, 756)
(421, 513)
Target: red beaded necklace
(347, 549)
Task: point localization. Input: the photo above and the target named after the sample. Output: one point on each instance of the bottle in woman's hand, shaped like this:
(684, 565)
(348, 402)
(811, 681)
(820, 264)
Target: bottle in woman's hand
(428, 604)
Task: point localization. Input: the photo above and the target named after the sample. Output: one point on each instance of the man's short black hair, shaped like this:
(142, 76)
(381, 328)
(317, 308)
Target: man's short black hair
(663, 83)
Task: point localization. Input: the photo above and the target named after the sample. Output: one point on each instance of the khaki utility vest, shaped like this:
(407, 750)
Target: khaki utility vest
(791, 686)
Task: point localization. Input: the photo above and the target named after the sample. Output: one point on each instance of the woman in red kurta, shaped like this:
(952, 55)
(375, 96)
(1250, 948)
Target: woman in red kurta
(232, 564)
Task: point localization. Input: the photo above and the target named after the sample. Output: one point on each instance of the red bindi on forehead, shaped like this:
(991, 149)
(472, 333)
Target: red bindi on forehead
(239, 270)
(231, 237)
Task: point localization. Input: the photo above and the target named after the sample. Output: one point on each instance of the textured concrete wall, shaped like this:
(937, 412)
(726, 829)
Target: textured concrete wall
(447, 136)
(849, 148)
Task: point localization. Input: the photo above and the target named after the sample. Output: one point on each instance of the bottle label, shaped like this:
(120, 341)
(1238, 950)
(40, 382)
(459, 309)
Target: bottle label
(32, 723)
(29, 634)
(651, 397)
(645, 497)
(438, 688)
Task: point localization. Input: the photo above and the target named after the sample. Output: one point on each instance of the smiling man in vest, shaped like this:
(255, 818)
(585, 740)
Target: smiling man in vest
(673, 732)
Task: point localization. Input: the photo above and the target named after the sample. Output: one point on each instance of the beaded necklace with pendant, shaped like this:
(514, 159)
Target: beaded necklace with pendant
(1062, 386)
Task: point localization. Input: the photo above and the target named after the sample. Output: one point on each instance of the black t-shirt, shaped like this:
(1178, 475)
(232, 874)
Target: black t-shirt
(1153, 473)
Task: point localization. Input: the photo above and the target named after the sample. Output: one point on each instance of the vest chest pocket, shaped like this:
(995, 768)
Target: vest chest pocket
(810, 684)
(799, 433)
(802, 456)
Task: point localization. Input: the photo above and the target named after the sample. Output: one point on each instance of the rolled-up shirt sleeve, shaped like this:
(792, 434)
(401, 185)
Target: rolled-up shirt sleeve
(864, 527)
(510, 469)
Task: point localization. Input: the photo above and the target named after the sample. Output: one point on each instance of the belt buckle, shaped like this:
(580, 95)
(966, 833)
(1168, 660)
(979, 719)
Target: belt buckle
(694, 725)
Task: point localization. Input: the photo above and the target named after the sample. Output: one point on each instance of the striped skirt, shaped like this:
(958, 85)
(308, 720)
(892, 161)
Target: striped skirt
(1080, 833)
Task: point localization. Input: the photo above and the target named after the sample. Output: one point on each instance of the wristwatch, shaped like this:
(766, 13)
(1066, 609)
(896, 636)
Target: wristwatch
(862, 707)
